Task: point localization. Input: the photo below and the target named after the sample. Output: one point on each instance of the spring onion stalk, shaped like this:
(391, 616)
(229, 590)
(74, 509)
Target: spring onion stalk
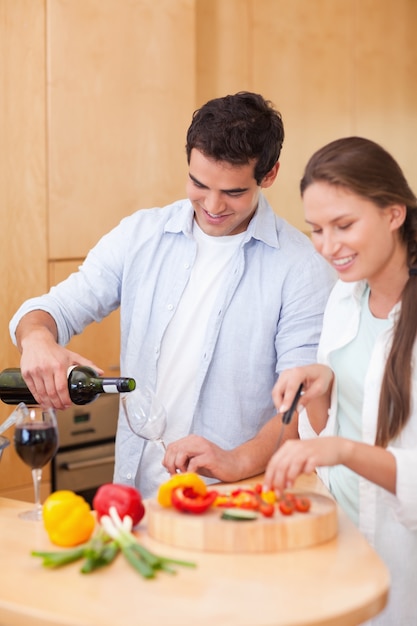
(140, 558)
(97, 552)
(114, 536)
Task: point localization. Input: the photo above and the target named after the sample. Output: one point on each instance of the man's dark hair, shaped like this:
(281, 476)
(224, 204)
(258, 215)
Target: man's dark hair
(236, 129)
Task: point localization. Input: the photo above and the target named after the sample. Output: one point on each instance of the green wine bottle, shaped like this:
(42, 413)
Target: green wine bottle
(84, 385)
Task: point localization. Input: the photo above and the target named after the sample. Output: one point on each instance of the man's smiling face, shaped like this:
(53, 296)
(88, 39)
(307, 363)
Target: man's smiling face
(224, 196)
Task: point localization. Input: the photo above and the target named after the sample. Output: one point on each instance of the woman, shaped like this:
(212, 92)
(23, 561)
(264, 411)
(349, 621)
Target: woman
(359, 428)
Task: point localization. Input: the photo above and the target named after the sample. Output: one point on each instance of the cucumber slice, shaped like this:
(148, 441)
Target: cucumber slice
(239, 515)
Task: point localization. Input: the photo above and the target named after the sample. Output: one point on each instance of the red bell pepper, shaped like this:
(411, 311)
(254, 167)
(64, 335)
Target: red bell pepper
(187, 500)
(126, 500)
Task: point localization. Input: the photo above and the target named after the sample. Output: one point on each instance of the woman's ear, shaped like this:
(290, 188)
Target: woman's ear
(398, 213)
(269, 178)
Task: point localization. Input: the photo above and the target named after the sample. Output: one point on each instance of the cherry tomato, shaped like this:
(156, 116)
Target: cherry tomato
(266, 509)
(288, 495)
(286, 506)
(302, 504)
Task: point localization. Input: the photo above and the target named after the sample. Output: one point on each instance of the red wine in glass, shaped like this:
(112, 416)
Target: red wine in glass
(36, 442)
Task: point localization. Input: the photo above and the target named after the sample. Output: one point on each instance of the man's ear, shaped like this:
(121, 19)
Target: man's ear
(269, 178)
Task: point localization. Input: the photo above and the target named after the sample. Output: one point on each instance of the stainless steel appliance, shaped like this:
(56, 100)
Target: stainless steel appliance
(85, 458)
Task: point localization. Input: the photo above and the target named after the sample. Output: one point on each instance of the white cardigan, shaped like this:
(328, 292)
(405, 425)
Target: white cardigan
(388, 521)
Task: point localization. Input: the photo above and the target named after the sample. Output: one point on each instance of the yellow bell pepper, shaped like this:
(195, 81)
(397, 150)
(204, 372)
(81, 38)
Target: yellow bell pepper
(187, 479)
(67, 518)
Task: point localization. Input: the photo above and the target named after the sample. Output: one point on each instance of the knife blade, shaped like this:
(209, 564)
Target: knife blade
(287, 416)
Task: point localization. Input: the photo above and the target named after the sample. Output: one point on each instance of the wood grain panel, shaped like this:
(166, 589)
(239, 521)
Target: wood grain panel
(121, 93)
(302, 61)
(385, 93)
(224, 47)
(23, 235)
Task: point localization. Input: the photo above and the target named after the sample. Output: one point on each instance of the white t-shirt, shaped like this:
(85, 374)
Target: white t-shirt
(182, 344)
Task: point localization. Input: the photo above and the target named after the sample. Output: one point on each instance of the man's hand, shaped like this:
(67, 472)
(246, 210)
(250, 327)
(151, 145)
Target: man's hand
(196, 454)
(44, 363)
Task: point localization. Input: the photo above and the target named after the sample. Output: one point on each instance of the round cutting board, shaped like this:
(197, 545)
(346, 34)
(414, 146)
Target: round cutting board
(208, 532)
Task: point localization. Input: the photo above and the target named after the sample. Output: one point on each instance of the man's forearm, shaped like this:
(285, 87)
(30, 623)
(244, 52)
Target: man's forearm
(252, 456)
(35, 321)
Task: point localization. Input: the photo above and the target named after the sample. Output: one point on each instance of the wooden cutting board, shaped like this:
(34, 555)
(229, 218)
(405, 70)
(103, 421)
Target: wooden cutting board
(209, 533)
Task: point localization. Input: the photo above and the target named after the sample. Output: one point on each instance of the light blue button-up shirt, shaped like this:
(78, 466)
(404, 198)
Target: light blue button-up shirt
(266, 319)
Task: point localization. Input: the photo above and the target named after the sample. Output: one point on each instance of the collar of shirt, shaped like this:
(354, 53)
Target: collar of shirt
(261, 227)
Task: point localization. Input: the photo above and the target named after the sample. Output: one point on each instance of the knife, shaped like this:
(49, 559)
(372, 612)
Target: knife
(287, 416)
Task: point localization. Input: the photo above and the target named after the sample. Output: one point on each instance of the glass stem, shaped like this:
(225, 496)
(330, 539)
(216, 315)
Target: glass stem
(37, 478)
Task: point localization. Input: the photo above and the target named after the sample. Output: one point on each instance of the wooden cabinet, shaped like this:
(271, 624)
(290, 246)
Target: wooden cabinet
(333, 69)
(23, 207)
(121, 92)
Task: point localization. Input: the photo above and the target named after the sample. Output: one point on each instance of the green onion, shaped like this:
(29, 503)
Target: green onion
(114, 536)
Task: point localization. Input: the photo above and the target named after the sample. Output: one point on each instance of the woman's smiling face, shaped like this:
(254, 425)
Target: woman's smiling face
(224, 196)
(358, 238)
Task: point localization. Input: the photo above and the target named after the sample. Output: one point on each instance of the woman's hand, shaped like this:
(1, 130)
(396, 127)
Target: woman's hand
(317, 381)
(297, 457)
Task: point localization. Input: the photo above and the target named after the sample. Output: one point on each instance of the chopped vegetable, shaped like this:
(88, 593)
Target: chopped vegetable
(186, 500)
(114, 536)
(187, 479)
(302, 504)
(67, 518)
(239, 515)
(141, 559)
(126, 500)
(97, 552)
(268, 496)
(286, 506)
(249, 498)
(266, 509)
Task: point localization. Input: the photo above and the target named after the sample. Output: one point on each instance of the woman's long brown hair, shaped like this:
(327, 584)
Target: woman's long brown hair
(368, 170)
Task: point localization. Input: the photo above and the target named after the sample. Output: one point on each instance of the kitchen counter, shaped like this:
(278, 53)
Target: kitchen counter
(342, 582)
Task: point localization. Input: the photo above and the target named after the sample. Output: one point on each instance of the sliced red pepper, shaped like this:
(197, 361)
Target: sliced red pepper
(186, 500)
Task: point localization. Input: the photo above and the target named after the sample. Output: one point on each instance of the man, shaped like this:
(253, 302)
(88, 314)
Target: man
(217, 296)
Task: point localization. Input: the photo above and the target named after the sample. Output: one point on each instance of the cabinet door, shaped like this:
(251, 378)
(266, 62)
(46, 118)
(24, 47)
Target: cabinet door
(23, 213)
(100, 342)
(120, 98)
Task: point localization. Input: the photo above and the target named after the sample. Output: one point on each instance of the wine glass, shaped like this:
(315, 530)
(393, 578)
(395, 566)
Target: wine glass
(145, 414)
(36, 442)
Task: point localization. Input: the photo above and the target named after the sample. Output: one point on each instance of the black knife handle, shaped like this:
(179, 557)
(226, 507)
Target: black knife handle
(286, 418)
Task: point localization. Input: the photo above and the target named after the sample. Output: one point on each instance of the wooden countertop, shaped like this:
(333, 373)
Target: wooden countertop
(342, 582)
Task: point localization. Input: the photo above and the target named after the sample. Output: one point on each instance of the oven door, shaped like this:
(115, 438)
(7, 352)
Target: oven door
(83, 469)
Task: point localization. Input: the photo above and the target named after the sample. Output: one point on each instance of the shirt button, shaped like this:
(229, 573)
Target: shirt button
(187, 266)
(128, 476)
(170, 307)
